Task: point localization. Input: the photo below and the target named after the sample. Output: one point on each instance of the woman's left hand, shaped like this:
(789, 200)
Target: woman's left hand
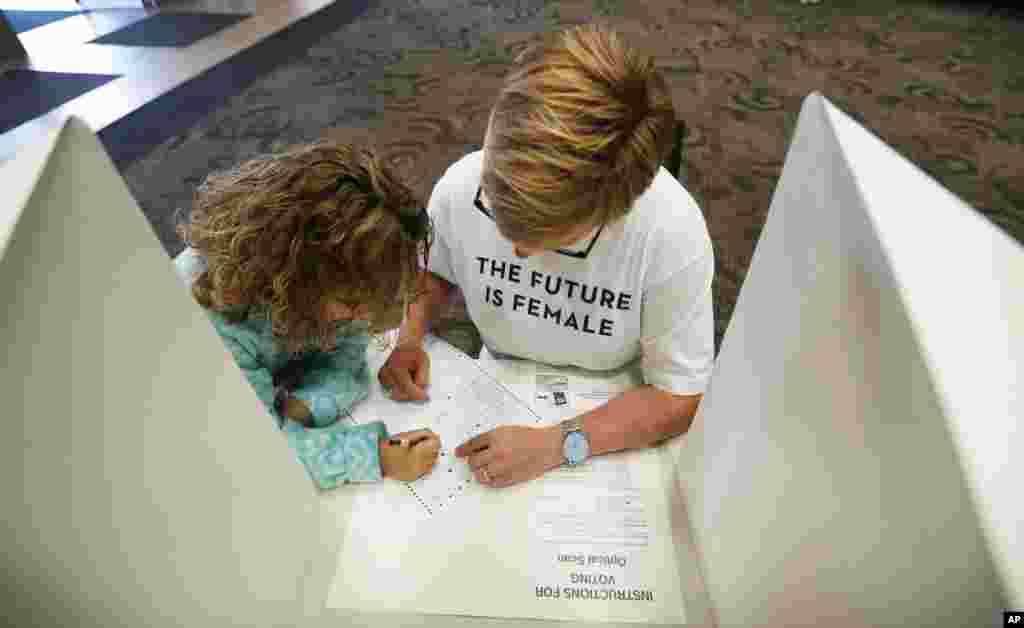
(511, 454)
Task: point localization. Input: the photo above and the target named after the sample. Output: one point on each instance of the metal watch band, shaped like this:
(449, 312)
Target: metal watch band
(572, 425)
(568, 426)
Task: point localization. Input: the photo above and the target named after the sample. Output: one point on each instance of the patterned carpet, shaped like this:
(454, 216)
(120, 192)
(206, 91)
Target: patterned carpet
(942, 85)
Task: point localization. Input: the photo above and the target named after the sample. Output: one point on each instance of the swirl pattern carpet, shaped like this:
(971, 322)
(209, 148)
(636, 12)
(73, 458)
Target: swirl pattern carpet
(941, 84)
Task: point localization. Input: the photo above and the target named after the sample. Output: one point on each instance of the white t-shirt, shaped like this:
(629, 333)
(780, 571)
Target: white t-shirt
(644, 291)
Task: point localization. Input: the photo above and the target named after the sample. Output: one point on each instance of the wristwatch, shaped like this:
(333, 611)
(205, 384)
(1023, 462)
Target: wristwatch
(575, 443)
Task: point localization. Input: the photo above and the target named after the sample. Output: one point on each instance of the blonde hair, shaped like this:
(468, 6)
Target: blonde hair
(578, 132)
(288, 234)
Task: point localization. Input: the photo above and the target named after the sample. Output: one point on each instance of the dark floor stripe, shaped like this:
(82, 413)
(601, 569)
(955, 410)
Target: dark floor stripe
(28, 94)
(23, 21)
(134, 135)
(170, 29)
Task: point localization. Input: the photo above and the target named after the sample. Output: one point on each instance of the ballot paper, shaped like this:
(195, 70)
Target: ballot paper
(465, 401)
(592, 543)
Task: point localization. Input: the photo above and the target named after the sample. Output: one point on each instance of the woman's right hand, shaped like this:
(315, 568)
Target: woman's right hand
(410, 455)
(406, 374)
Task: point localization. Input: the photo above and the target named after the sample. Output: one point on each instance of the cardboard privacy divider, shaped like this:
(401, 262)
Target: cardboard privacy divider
(143, 482)
(857, 459)
(852, 464)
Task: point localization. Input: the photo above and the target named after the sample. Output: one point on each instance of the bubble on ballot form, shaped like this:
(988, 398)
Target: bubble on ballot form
(465, 401)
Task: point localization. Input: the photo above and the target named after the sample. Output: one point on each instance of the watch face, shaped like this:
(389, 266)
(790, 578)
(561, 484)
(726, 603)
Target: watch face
(576, 448)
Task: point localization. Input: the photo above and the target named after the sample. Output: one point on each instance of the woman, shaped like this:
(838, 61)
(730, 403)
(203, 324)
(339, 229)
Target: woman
(572, 246)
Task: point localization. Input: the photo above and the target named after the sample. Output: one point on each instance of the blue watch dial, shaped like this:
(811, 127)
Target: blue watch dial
(576, 448)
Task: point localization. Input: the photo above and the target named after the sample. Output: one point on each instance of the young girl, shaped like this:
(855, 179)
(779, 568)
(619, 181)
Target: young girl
(298, 258)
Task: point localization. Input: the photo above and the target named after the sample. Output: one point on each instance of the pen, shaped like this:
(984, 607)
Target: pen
(395, 442)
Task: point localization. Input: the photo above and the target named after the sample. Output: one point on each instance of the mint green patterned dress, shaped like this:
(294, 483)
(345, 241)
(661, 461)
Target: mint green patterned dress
(333, 453)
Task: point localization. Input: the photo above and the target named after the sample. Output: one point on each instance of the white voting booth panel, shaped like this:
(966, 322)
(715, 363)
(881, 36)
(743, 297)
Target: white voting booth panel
(857, 459)
(143, 484)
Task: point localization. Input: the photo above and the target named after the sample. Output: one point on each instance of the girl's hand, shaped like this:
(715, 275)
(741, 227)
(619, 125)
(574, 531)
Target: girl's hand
(410, 455)
(298, 412)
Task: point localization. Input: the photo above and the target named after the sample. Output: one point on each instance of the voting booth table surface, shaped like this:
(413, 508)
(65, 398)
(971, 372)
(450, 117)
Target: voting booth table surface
(606, 541)
(854, 462)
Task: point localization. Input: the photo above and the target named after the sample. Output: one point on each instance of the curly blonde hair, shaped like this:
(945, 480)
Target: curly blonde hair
(288, 235)
(578, 132)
